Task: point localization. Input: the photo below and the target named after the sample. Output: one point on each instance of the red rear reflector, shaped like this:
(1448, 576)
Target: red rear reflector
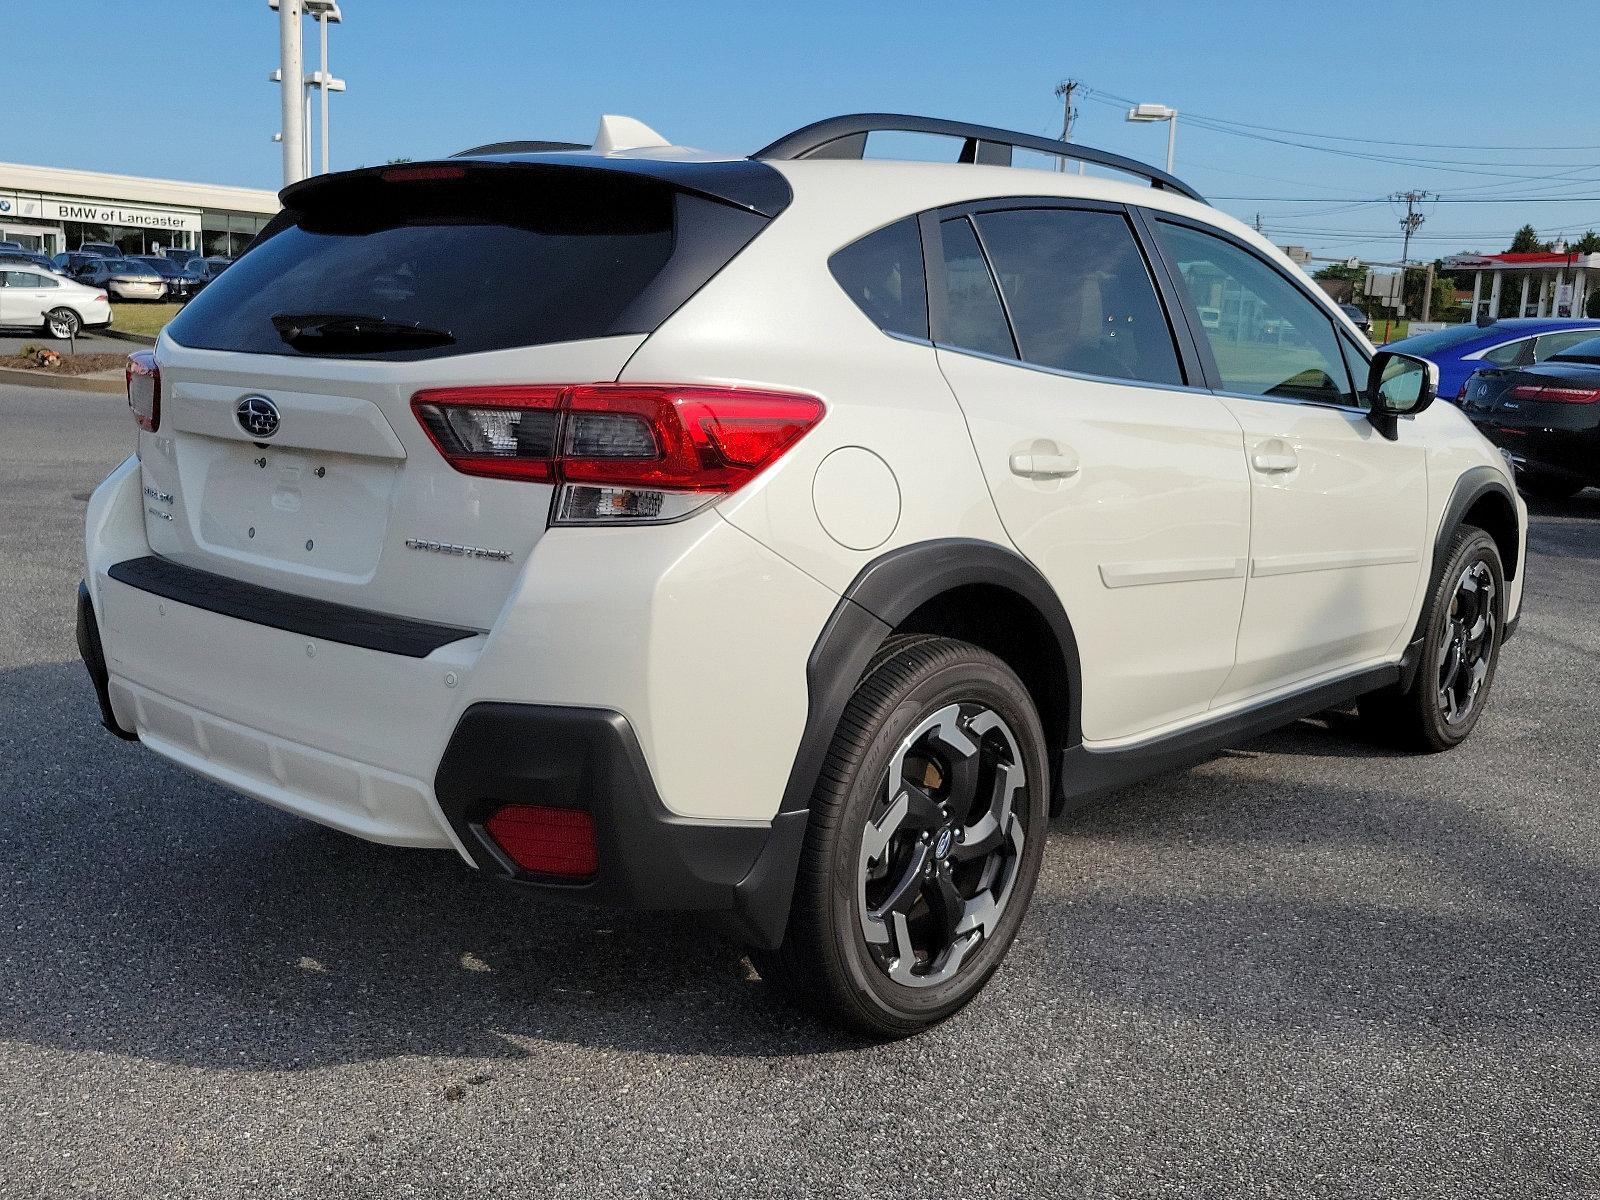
(546, 841)
(419, 174)
(1549, 394)
(144, 389)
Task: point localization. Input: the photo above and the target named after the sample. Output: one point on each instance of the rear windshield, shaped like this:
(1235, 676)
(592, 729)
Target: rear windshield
(1584, 352)
(410, 269)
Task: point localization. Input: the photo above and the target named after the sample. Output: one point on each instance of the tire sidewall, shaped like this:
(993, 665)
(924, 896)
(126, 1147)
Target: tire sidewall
(66, 315)
(1478, 545)
(979, 681)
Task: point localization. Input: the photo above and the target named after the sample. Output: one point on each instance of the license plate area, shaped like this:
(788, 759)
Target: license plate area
(312, 511)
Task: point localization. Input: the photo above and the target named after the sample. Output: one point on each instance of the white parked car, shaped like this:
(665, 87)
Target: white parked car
(37, 299)
(784, 539)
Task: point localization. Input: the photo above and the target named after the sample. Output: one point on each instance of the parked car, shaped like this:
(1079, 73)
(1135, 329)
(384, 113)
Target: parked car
(103, 249)
(71, 262)
(878, 542)
(28, 260)
(10, 245)
(1357, 318)
(210, 268)
(123, 278)
(1544, 417)
(1459, 350)
(181, 282)
(59, 307)
(181, 255)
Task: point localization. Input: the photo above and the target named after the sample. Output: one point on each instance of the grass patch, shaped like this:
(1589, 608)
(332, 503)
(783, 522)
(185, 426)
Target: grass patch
(142, 318)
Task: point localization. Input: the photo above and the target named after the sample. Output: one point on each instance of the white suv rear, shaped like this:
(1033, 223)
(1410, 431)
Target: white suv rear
(782, 538)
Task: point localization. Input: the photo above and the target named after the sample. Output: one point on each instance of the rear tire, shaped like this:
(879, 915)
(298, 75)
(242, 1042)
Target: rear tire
(1464, 623)
(926, 832)
(62, 323)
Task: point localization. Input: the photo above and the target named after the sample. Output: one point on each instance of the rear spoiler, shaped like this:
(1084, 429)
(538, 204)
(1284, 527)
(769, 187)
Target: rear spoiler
(741, 183)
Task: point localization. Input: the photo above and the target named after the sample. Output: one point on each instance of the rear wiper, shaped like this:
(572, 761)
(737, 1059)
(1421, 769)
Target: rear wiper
(352, 333)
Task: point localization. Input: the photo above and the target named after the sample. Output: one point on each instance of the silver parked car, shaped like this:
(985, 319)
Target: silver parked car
(123, 279)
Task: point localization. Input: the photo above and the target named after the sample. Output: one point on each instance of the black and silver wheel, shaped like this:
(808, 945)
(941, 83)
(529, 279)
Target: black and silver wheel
(924, 842)
(62, 323)
(1460, 649)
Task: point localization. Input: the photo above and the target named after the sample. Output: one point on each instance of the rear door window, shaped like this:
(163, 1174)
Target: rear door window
(1079, 293)
(1554, 343)
(487, 261)
(1512, 354)
(883, 274)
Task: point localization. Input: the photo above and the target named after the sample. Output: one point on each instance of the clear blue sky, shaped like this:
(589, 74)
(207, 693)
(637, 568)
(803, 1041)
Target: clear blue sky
(430, 78)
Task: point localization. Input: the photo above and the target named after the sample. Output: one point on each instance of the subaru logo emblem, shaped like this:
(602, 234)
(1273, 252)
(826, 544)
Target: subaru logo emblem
(942, 846)
(257, 416)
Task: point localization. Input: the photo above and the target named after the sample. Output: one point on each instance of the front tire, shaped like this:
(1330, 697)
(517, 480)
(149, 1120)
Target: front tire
(926, 832)
(1465, 622)
(62, 323)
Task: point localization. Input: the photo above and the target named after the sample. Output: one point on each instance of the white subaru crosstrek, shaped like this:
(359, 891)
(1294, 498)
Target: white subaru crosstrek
(781, 538)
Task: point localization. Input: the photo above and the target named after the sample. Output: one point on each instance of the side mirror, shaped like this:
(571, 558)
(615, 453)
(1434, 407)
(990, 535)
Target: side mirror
(1399, 385)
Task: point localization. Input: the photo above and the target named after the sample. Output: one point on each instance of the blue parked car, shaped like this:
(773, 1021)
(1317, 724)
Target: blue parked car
(1518, 342)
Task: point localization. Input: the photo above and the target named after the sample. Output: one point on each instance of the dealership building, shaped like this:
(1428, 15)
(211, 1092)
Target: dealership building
(51, 209)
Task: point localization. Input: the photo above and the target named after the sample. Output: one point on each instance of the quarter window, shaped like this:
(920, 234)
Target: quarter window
(974, 317)
(1268, 338)
(1554, 343)
(1512, 354)
(1079, 294)
(883, 274)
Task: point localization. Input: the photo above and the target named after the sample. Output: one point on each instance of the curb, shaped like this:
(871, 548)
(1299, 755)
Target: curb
(121, 336)
(71, 383)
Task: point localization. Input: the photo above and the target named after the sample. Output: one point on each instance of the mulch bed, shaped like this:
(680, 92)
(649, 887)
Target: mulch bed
(70, 364)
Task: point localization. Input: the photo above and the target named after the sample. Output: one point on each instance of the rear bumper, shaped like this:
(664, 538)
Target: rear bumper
(589, 759)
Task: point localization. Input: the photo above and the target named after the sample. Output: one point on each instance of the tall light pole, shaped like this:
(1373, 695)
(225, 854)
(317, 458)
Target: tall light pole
(292, 71)
(1158, 112)
(326, 12)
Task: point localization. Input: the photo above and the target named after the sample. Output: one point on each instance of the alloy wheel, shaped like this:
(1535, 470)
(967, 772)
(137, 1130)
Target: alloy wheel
(63, 325)
(942, 846)
(1466, 651)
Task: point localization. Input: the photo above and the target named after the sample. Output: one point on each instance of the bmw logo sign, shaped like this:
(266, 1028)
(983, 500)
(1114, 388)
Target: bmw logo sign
(5, 206)
(257, 416)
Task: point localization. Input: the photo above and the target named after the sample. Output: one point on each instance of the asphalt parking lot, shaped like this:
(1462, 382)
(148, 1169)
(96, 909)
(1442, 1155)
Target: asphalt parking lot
(1306, 968)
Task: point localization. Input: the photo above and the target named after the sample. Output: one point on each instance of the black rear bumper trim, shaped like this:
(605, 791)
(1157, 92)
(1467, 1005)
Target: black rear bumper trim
(281, 610)
(94, 658)
(649, 858)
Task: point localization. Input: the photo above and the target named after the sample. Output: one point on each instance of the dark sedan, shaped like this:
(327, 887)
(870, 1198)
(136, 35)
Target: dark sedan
(1545, 417)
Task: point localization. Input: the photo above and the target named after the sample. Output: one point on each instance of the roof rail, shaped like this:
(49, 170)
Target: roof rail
(846, 137)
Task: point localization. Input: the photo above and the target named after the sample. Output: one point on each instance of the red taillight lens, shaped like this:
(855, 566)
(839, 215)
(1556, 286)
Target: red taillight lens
(144, 389)
(422, 174)
(1548, 394)
(546, 841)
(621, 452)
(706, 439)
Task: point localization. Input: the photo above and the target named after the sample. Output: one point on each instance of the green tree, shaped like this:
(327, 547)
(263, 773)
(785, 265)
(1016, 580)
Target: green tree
(1589, 243)
(1526, 241)
(1341, 271)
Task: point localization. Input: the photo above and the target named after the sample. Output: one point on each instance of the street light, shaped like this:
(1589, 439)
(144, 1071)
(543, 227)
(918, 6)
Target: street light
(297, 124)
(1158, 112)
(326, 12)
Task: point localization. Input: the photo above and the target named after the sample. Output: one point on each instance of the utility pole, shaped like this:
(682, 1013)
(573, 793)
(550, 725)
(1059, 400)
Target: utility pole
(292, 73)
(1258, 222)
(1069, 114)
(1413, 219)
(1427, 294)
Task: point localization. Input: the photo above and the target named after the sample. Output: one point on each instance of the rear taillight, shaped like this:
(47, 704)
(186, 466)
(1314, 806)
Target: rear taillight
(144, 389)
(1548, 394)
(546, 841)
(620, 453)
